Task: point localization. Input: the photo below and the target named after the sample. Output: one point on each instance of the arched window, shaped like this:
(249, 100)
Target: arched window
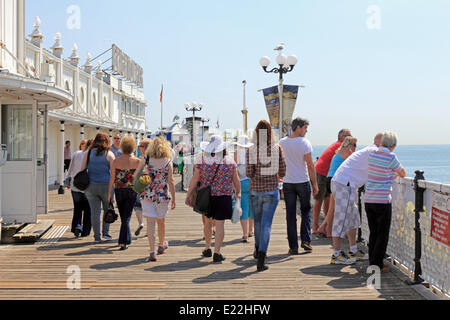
(81, 96)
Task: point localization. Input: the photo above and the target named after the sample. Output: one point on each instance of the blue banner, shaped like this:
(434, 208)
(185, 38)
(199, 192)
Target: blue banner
(290, 94)
(272, 99)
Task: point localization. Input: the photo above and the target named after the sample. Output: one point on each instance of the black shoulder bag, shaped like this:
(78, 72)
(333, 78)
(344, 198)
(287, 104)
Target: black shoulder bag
(203, 199)
(81, 180)
(110, 215)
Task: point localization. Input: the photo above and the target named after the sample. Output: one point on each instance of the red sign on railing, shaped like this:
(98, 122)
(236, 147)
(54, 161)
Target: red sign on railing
(440, 218)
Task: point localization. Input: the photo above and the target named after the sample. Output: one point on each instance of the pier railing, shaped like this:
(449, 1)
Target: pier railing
(419, 240)
(420, 230)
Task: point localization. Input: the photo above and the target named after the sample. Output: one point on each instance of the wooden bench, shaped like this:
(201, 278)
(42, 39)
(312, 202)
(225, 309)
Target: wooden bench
(33, 232)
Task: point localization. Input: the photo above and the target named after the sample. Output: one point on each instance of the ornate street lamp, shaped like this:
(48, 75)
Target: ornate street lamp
(193, 107)
(286, 65)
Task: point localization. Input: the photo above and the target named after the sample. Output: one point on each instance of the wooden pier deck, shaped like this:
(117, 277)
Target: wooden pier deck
(40, 271)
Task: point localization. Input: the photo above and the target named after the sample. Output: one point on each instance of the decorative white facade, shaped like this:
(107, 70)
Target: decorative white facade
(101, 102)
(45, 100)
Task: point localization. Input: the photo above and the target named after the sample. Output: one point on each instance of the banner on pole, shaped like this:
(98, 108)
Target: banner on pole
(290, 94)
(272, 99)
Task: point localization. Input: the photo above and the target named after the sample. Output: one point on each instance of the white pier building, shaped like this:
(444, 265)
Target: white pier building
(47, 99)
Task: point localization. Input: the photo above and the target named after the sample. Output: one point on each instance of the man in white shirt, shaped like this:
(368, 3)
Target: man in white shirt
(350, 176)
(296, 184)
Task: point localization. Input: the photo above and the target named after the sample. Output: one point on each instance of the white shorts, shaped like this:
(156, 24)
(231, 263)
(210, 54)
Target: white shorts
(149, 210)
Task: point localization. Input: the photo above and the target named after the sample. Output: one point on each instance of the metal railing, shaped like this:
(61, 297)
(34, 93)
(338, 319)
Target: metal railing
(418, 239)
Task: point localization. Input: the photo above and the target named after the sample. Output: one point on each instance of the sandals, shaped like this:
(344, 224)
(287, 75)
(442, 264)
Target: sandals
(244, 239)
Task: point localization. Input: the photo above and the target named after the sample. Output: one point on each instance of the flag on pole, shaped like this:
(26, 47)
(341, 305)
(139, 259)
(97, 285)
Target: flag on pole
(218, 124)
(162, 90)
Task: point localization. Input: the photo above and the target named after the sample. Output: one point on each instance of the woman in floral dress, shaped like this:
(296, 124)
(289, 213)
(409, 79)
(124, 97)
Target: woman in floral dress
(122, 171)
(156, 198)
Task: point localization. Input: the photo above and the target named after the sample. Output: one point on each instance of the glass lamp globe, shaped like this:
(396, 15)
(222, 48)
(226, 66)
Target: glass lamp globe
(281, 59)
(264, 62)
(292, 60)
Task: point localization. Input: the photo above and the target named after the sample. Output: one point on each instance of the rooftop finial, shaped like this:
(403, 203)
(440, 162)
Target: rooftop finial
(36, 35)
(99, 72)
(57, 47)
(74, 58)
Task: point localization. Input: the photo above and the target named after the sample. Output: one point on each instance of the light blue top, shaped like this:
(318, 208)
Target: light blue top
(117, 152)
(335, 164)
(99, 168)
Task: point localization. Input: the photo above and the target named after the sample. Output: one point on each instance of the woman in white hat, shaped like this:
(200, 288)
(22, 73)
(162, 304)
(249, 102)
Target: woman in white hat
(216, 169)
(247, 221)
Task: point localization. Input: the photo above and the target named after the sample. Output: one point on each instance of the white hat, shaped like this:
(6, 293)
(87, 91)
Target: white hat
(244, 142)
(215, 145)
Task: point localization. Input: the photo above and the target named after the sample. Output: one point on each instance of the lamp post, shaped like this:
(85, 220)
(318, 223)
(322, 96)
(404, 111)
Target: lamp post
(193, 107)
(245, 111)
(204, 120)
(286, 64)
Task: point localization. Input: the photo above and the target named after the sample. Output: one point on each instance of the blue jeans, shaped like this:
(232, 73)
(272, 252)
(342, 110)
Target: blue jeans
(125, 199)
(97, 195)
(302, 191)
(263, 206)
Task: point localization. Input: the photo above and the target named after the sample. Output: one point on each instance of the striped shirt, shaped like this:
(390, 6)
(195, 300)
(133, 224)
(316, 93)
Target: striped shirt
(383, 165)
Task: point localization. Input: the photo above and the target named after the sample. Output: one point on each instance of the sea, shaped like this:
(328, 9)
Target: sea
(433, 160)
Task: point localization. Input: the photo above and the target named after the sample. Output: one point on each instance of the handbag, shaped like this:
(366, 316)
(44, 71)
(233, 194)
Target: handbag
(139, 186)
(237, 211)
(193, 195)
(81, 180)
(203, 198)
(110, 215)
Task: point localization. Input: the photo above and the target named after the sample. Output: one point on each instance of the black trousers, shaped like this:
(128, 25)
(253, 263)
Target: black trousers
(379, 217)
(81, 213)
(67, 164)
(125, 199)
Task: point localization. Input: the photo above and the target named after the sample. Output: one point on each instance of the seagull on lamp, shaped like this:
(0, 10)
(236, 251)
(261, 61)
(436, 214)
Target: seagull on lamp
(280, 47)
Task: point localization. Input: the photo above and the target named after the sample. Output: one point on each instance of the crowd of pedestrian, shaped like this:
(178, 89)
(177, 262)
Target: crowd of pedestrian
(251, 179)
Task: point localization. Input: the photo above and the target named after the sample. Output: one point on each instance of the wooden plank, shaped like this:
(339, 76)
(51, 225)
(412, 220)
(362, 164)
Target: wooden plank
(32, 232)
(39, 272)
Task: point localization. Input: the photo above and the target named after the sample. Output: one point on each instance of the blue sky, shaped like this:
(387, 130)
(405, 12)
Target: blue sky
(394, 78)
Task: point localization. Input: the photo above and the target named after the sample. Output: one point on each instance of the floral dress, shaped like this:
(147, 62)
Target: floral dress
(157, 192)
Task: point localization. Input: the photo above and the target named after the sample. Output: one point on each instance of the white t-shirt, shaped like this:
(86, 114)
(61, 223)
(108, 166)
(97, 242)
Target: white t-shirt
(355, 169)
(295, 150)
(242, 163)
(75, 168)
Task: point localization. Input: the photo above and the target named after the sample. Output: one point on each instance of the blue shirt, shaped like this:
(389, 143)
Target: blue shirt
(335, 164)
(117, 152)
(99, 168)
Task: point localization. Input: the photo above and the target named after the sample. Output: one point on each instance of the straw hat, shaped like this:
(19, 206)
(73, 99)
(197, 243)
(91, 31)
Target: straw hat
(215, 145)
